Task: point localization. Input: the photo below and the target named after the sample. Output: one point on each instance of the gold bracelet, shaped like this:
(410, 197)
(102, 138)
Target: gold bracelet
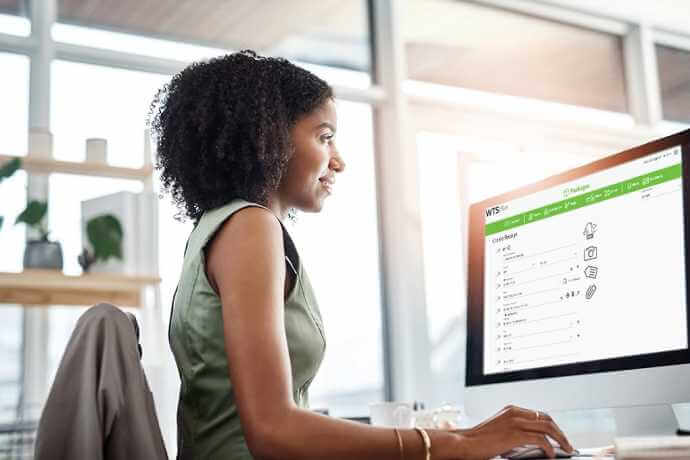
(427, 441)
(401, 447)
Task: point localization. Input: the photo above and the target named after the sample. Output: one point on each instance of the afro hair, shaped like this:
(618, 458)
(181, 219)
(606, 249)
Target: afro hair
(222, 128)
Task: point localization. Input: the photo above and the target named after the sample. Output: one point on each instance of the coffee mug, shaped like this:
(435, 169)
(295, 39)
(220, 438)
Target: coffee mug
(392, 414)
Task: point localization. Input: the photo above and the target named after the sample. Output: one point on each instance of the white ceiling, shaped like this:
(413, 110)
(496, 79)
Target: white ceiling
(473, 46)
(671, 15)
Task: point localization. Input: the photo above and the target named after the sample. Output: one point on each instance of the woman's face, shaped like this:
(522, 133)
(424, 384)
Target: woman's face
(310, 176)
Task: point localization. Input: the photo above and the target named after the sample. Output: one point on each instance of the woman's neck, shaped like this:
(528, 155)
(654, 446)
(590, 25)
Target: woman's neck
(278, 207)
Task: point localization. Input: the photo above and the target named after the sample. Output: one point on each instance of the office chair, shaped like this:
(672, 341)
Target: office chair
(100, 405)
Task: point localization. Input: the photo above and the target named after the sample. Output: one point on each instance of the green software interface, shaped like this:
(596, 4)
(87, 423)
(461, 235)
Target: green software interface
(587, 270)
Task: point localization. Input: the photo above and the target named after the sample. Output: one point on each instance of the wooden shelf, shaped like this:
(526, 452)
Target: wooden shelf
(51, 287)
(48, 165)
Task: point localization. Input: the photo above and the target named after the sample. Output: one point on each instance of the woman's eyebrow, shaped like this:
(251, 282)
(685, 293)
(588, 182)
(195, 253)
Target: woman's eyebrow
(325, 124)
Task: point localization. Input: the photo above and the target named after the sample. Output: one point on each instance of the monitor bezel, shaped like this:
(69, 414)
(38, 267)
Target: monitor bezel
(474, 374)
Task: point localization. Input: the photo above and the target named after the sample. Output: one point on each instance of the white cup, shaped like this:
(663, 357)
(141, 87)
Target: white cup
(97, 150)
(425, 418)
(392, 414)
(448, 417)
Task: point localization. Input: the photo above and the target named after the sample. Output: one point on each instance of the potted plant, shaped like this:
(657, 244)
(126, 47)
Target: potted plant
(41, 252)
(105, 235)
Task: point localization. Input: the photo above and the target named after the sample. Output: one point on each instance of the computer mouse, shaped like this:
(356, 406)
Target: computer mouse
(530, 452)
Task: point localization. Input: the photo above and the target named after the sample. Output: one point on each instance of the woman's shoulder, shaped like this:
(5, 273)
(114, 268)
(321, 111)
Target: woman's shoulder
(243, 220)
(236, 218)
(213, 219)
(221, 213)
(251, 220)
(251, 239)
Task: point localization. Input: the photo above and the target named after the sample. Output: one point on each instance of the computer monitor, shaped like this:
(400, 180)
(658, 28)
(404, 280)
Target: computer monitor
(578, 287)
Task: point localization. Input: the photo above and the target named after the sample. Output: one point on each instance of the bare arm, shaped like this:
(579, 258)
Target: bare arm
(251, 287)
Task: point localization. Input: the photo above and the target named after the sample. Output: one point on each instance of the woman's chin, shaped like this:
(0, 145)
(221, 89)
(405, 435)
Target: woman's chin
(312, 207)
(317, 207)
(314, 204)
(319, 204)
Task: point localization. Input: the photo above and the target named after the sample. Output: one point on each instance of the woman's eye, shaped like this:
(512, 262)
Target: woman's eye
(327, 137)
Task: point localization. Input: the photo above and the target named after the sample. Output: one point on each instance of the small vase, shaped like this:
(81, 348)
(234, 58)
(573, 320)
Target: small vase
(43, 254)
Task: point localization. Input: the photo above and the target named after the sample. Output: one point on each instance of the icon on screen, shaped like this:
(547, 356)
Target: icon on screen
(591, 271)
(590, 291)
(590, 253)
(590, 228)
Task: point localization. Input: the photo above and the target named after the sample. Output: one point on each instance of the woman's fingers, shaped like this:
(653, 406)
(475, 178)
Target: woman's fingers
(558, 434)
(541, 441)
(549, 428)
(515, 426)
(540, 422)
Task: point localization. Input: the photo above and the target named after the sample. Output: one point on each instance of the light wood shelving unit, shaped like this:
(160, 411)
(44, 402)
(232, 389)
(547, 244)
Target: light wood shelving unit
(51, 287)
(47, 165)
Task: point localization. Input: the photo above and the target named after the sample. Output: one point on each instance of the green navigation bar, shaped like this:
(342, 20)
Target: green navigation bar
(586, 199)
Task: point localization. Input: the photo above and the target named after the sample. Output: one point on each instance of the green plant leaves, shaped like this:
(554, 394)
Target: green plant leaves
(105, 235)
(33, 214)
(6, 171)
(9, 168)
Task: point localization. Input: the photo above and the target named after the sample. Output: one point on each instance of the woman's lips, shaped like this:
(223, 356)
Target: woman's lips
(327, 182)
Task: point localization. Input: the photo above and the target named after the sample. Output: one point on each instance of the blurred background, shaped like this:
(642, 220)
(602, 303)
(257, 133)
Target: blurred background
(441, 103)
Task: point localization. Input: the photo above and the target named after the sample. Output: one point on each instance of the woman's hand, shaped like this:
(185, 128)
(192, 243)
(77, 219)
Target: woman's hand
(510, 428)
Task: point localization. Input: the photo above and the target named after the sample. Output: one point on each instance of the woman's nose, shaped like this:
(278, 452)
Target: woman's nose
(337, 163)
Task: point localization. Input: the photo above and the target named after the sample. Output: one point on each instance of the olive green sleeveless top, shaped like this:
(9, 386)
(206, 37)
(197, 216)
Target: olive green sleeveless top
(208, 422)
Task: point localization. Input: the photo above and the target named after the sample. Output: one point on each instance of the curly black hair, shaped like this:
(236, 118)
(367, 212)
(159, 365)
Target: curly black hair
(221, 128)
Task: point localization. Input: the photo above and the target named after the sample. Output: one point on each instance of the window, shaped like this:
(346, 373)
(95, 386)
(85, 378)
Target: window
(13, 141)
(476, 47)
(12, 236)
(674, 80)
(14, 119)
(339, 247)
(14, 18)
(92, 101)
(14, 7)
(118, 41)
(14, 110)
(327, 33)
(444, 271)
(11, 357)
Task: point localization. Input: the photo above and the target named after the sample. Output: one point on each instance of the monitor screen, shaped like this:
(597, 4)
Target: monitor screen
(585, 272)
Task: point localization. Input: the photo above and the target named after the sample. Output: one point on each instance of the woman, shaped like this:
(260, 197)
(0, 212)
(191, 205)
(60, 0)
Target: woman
(242, 141)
